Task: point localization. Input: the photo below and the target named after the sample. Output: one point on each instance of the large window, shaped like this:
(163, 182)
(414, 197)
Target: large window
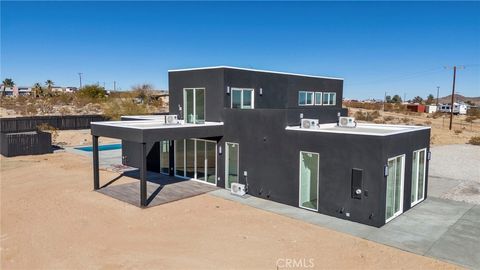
(194, 105)
(197, 159)
(231, 164)
(309, 165)
(305, 98)
(318, 98)
(329, 98)
(242, 98)
(418, 176)
(164, 157)
(394, 196)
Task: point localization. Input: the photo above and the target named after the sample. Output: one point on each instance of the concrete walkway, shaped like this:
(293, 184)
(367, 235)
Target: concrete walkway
(438, 228)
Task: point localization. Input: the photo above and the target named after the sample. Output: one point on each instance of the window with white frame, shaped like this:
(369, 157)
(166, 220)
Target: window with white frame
(318, 98)
(329, 98)
(242, 98)
(305, 98)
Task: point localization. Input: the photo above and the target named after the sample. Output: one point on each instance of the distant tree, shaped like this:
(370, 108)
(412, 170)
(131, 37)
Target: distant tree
(142, 92)
(93, 91)
(8, 82)
(396, 99)
(417, 99)
(469, 102)
(430, 99)
(388, 99)
(49, 84)
(37, 88)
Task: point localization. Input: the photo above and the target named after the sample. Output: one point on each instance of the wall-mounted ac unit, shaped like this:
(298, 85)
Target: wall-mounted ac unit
(171, 119)
(238, 189)
(347, 122)
(309, 123)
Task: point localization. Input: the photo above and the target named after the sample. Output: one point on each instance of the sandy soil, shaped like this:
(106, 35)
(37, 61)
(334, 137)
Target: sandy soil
(440, 134)
(51, 219)
(79, 137)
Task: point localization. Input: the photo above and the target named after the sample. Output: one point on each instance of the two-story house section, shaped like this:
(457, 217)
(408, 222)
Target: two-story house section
(284, 136)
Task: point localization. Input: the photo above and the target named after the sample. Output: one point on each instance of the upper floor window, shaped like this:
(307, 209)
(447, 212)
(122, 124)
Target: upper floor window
(318, 98)
(242, 98)
(329, 98)
(305, 98)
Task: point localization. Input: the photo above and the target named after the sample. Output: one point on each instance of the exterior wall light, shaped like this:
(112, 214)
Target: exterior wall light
(429, 155)
(261, 91)
(385, 170)
(228, 89)
(219, 149)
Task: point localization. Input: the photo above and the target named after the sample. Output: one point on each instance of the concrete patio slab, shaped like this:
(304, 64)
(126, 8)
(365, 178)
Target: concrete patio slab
(432, 228)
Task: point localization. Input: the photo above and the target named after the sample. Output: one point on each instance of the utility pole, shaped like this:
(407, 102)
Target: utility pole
(80, 77)
(453, 93)
(404, 97)
(384, 100)
(438, 90)
(114, 86)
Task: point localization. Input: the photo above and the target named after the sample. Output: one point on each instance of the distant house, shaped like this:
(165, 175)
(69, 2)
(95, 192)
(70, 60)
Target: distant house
(24, 91)
(9, 91)
(458, 108)
(416, 107)
(68, 89)
(431, 108)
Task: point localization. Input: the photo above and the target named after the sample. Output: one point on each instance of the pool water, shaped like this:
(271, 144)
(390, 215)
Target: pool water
(105, 147)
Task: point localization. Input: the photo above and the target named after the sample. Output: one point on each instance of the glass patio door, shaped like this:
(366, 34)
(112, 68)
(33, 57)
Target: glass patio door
(309, 166)
(394, 196)
(231, 164)
(194, 104)
(196, 159)
(418, 176)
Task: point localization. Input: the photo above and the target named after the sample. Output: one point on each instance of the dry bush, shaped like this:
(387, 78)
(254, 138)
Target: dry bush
(405, 120)
(475, 140)
(117, 107)
(470, 119)
(428, 123)
(363, 105)
(437, 114)
(457, 131)
(474, 112)
(64, 111)
(388, 118)
(366, 116)
(379, 121)
(44, 127)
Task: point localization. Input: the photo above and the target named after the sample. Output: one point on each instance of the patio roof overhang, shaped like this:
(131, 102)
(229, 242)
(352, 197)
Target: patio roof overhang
(144, 131)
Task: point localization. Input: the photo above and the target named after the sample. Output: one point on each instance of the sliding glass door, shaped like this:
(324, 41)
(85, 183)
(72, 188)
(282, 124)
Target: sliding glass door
(194, 105)
(394, 196)
(309, 167)
(418, 176)
(196, 159)
(231, 164)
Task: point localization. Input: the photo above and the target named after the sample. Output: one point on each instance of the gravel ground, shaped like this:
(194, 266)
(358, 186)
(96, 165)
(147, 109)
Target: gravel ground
(455, 172)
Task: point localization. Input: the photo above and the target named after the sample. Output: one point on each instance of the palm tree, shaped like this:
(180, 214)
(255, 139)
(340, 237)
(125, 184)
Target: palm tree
(38, 89)
(7, 83)
(49, 84)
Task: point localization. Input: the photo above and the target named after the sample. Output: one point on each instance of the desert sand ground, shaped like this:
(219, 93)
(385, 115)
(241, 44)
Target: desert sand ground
(79, 137)
(440, 134)
(51, 219)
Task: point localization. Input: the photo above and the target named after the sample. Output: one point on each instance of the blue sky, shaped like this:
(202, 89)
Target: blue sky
(398, 47)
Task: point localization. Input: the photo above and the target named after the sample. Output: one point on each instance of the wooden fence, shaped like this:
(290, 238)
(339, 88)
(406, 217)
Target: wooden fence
(30, 123)
(26, 143)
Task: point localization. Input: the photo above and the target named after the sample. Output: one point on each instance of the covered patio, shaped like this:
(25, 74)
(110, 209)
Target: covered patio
(145, 132)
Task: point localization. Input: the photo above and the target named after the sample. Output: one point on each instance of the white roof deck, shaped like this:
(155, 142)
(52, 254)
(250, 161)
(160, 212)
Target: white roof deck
(153, 124)
(361, 129)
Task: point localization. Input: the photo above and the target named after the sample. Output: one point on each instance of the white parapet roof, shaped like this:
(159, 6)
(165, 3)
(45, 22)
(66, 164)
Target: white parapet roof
(153, 124)
(256, 70)
(361, 129)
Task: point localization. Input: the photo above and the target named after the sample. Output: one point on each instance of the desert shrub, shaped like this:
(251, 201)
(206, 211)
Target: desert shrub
(475, 140)
(379, 121)
(366, 116)
(470, 119)
(388, 118)
(474, 112)
(93, 92)
(44, 127)
(405, 120)
(363, 105)
(436, 114)
(457, 131)
(428, 123)
(64, 111)
(117, 107)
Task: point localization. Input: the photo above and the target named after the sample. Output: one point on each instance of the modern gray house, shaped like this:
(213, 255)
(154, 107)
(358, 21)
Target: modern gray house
(285, 137)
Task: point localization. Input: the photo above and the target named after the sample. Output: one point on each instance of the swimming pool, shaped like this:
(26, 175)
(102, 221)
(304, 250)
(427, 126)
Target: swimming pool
(105, 147)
